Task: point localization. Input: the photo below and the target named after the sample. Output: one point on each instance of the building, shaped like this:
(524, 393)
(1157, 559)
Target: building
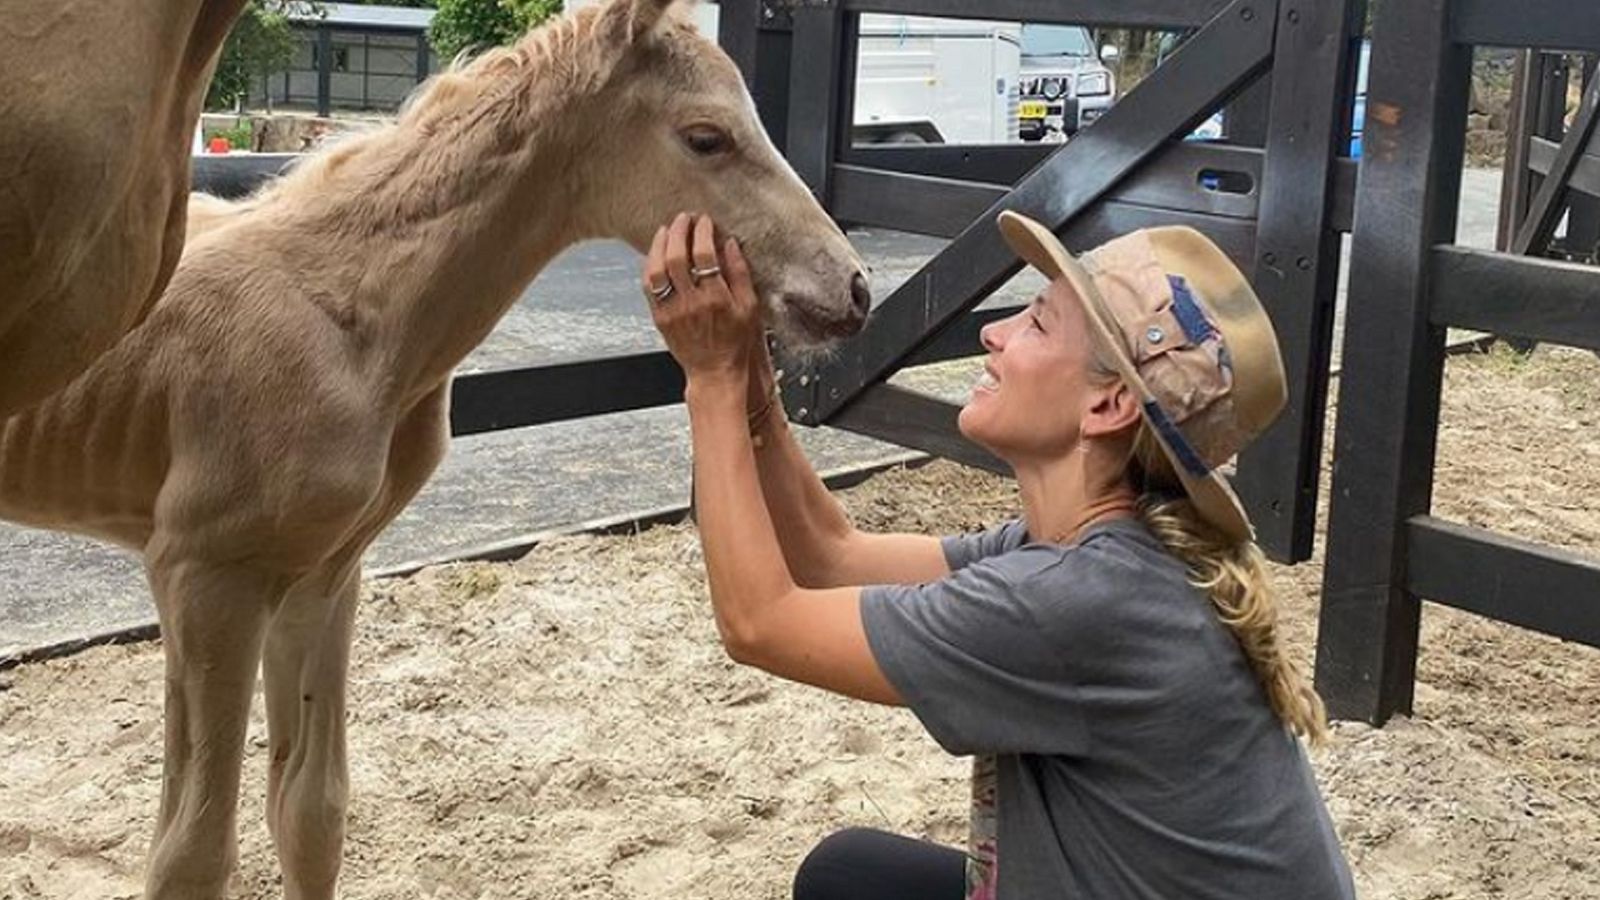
(367, 58)
(352, 57)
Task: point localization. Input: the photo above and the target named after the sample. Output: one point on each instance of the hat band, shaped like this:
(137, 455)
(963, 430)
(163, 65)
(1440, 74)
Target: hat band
(1174, 439)
(1191, 318)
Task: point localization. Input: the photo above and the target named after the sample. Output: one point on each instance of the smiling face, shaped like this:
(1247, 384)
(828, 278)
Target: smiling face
(1039, 394)
(683, 136)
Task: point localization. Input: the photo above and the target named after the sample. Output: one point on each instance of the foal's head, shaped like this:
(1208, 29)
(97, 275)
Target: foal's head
(676, 131)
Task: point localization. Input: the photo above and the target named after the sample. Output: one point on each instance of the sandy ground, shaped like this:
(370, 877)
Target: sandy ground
(567, 725)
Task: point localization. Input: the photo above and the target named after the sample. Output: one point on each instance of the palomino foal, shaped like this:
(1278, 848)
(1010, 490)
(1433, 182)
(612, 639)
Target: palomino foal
(287, 396)
(98, 103)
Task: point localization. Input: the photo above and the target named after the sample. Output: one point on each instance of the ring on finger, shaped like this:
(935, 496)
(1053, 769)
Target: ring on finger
(662, 293)
(707, 272)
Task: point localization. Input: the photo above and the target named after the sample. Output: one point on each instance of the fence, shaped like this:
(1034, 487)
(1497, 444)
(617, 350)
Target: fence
(1408, 283)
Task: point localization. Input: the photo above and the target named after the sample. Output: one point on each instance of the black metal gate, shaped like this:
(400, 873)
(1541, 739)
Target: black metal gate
(1285, 64)
(1409, 283)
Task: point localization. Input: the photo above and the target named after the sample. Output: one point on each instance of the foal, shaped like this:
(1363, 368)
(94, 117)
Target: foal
(287, 397)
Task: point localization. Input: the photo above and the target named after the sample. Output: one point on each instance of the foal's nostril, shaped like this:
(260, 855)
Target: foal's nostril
(860, 294)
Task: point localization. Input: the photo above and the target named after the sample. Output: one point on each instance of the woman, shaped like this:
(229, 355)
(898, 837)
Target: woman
(1109, 659)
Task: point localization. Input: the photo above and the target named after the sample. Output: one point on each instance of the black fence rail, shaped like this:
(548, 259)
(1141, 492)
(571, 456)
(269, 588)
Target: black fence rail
(1408, 283)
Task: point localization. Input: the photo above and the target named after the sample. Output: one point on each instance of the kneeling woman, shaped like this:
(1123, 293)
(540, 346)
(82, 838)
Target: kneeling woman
(1109, 659)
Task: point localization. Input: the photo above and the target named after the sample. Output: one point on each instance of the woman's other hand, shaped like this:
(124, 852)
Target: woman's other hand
(709, 319)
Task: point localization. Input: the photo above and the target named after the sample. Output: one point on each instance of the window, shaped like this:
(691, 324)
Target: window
(1056, 40)
(341, 57)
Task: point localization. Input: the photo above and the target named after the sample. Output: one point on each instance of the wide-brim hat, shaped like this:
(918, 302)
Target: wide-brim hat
(1187, 333)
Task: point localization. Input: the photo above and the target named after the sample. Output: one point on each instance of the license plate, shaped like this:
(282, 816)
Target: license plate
(1032, 109)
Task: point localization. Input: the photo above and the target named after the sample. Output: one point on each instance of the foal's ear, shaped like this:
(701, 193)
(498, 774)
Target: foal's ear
(644, 15)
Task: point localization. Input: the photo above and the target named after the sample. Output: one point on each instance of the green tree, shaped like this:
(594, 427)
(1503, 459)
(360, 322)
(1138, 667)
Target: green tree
(260, 43)
(478, 24)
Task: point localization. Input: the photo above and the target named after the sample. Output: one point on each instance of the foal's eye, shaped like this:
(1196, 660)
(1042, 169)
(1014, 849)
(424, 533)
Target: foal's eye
(707, 140)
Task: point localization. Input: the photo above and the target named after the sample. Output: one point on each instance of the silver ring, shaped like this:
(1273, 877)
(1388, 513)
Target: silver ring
(662, 293)
(707, 272)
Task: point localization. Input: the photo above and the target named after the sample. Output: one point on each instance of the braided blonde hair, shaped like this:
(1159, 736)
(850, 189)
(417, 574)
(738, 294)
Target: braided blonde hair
(1232, 573)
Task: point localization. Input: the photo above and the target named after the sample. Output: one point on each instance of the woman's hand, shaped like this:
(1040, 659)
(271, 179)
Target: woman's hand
(709, 319)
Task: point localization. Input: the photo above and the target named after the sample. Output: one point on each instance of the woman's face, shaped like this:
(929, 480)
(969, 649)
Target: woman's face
(1036, 388)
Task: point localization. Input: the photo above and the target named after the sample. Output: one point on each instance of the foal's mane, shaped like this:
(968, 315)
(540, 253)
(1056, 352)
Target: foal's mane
(501, 92)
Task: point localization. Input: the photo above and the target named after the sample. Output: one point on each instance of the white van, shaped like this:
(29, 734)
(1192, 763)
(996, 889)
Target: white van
(922, 79)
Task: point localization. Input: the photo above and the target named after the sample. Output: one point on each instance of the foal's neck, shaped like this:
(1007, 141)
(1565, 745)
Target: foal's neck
(466, 260)
(455, 211)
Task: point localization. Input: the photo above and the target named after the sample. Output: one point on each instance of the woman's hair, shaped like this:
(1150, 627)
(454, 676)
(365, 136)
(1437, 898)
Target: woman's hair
(1233, 573)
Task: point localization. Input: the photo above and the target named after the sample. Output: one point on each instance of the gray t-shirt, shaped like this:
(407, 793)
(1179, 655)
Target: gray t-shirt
(1136, 754)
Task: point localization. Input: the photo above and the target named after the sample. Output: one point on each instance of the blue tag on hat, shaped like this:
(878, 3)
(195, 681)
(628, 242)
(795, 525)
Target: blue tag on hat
(1191, 318)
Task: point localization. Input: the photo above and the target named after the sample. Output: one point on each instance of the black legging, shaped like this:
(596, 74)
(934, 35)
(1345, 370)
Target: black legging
(864, 864)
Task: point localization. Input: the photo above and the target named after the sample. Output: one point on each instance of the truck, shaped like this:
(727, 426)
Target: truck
(925, 79)
(1065, 82)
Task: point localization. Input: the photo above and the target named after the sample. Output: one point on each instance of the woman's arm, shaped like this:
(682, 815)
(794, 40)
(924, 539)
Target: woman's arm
(821, 546)
(819, 543)
(766, 620)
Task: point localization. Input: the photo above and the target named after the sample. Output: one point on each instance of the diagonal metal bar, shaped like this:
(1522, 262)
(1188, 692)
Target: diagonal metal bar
(1545, 212)
(1585, 178)
(1206, 72)
(1583, 209)
(911, 419)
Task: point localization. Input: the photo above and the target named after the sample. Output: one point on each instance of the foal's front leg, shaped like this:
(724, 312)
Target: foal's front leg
(213, 618)
(305, 669)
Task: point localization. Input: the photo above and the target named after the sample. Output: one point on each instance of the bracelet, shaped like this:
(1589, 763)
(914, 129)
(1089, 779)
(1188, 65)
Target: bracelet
(758, 419)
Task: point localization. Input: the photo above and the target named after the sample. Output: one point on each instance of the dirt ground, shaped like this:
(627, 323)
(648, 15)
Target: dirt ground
(567, 725)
